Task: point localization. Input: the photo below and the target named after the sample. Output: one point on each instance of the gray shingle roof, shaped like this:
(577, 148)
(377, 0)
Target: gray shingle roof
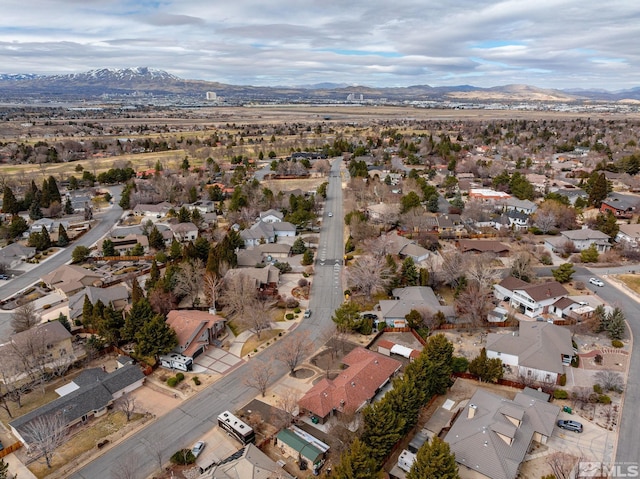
(477, 441)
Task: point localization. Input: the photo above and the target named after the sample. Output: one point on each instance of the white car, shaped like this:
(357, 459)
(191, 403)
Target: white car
(197, 448)
(330, 214)
(596, 281)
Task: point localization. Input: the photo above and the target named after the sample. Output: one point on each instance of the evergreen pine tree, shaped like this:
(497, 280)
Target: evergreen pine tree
(154, 275)
(155, 337)
(156, 240)
(63, 238)
(137, 316)
(136, 291)
(45, 240)
(434, 461)
(68, 207)
(87, 312)
(356, 462)
(45, 198)
(382, 428)
(409, 272)
(54, 192)
(4, 469)
(10, 204)
(35, 213)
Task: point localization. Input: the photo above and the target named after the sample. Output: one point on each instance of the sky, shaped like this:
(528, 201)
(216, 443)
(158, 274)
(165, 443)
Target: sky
(377, 43)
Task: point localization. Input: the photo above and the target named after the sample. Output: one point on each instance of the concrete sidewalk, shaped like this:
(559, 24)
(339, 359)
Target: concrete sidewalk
(239, 341)
(17, 468)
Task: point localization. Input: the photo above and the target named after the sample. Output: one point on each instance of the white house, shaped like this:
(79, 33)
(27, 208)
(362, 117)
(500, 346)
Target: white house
(184, 231)
(536, 299)
(271, 216)
(582, 239)
(629, 234)
(153, 211)
(523, 206)
(539, 350)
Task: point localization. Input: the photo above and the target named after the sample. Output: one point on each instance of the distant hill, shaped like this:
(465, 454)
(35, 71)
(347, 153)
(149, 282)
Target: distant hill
(99, 83)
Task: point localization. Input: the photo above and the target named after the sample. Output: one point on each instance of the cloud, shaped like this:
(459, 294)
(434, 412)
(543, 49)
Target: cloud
(547, 43)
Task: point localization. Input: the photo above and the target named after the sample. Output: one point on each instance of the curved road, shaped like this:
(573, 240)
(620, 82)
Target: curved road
(106, 220)
(196, 416)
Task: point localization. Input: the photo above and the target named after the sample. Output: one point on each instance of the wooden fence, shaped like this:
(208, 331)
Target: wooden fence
(9, 449)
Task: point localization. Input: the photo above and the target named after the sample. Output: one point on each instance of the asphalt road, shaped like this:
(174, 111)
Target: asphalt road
(183, 426)
(629, 436)
(106, 220)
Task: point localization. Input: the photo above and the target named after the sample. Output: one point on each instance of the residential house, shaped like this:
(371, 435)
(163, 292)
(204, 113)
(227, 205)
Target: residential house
(573, 194)
(271, 216)
(46, 345)
(492, 434)
(620, 205)
(266, 279)
(405, 247)
(15, 254)
(196, 330)
(450, 226)
(68, 279)
(582, 239)
(267, 232)
(248, 463)
(203, 206)
(536, 299)
(80, 203)
(420, 298)
(523, 206)
(184, 232)
(482, 246)
(539, 351)
(89, 395)
(263, 253)
(518, 220)
(153, 211)
(116, 297)
(628, 233)
(367, 372)
(505, 288)
(122, 244)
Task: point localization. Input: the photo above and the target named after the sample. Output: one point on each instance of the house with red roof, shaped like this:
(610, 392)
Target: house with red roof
(366, 374)
(196, 330)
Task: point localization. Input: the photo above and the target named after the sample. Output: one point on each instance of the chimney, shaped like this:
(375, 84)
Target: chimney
(548, 292)
(472, 411)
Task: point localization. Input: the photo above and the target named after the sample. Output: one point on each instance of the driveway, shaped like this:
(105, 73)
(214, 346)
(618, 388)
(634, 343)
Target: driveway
(215, 361)
(593, 444)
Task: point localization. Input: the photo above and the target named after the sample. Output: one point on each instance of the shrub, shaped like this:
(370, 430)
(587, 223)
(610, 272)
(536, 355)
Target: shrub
(460, 364)
(255, 350)
(182, 457)
(172, 381)
(297, 310)
(598, 358)
(180, 377)
(616, 343)
(196, 380)
(563, 379)
(575, 361)
(545, 258)
(579, 285)
(289, 316)
(560, 394)
(597, 388)
(604, 399)
(302, 282)
(292, 303)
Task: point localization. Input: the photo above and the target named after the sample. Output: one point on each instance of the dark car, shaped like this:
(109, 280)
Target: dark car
(574, 426)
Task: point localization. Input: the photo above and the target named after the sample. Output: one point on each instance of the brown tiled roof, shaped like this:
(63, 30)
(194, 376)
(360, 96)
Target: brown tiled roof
(511, 283)
(188, 325)
(357, 384)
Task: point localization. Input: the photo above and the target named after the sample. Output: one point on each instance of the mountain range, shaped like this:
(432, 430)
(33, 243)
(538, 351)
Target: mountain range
(103, 82)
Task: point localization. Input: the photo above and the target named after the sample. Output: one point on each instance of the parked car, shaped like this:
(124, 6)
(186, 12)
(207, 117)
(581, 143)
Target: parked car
(4, 276)
(197, 448)
(307, 313)
(574, 426)
(330, 214)
(596, 281)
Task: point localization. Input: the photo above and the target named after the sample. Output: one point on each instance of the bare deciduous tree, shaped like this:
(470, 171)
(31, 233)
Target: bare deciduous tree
(287, 408)
(212, 285)
(561, 464)
(521, 265)
(189, 280)
(156, 447)
(24, 317)
(294, 349)
(609, 380)
(239, 290)
(257, 315)
(45, 434)
(259, 377)
(128, 405)
(545, 220)
(480, 268)
(452, 267)
(473, 304)
(368, 275)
